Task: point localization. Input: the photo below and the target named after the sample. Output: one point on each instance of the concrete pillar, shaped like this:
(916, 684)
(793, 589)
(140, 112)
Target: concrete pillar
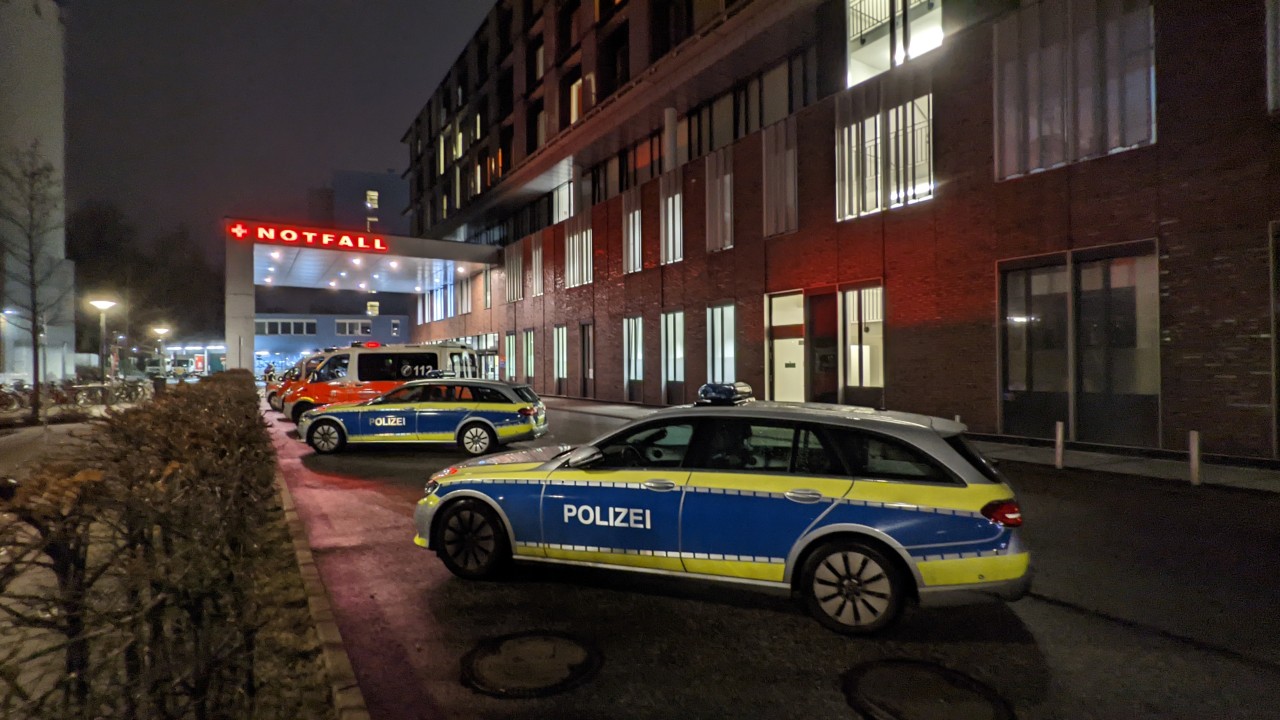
(239, 304)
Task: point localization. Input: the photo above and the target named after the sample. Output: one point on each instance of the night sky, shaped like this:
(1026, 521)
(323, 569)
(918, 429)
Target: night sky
(186, 111)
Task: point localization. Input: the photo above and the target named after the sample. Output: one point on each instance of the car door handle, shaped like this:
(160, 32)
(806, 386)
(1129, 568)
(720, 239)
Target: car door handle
(659, 485)
(802, 495)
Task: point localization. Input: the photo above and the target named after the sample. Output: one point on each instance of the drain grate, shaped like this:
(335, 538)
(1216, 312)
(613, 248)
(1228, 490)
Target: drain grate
(530, 664)
(904, 689)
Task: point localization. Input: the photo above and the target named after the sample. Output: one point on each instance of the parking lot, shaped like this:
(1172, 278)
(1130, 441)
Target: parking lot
(1139, 583)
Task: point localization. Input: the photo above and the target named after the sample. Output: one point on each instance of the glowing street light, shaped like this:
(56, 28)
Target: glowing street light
(103, 306)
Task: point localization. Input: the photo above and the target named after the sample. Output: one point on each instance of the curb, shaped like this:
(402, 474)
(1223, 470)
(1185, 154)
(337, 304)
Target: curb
(348, 701)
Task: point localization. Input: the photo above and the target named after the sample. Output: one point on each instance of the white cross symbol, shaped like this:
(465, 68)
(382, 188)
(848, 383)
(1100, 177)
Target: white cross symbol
(239, 230)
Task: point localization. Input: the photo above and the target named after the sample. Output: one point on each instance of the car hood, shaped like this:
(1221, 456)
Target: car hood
(530, 458)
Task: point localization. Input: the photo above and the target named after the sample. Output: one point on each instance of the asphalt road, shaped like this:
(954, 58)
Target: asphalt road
(1151, 600)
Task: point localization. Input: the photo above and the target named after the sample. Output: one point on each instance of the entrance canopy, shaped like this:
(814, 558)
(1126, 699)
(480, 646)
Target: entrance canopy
(286, 255)
(274, 254)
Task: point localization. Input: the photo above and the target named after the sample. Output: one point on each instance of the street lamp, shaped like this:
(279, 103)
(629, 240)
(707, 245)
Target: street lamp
(103, 306)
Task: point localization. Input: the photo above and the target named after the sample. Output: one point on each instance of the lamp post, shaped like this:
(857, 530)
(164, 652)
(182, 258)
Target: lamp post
(103, 306)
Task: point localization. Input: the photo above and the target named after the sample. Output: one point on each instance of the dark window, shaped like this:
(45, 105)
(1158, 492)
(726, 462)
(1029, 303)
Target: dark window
(884, 458)
(753, 446)
(526, 393)
(335, 368)
(403, 395)
(814, 456)
(376, 367)
(259, 328)
(311, 327)
(489, 395)
(652, 446)
(961, 444)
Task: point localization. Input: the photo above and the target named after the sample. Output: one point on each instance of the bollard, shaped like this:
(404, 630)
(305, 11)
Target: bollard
(1193, 443)
(1059, 440)
(957, 418)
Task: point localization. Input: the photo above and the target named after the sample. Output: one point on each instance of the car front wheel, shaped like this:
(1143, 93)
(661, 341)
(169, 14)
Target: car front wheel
(851, 587)
(471, 540)
(477, 439)
(326, 437)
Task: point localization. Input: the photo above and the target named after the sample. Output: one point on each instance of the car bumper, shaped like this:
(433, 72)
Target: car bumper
(422, 516)
(1004, 590)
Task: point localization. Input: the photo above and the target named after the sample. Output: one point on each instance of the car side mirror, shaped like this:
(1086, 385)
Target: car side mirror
(583, 456)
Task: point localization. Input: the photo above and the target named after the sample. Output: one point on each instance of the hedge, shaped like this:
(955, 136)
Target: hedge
(149, 574)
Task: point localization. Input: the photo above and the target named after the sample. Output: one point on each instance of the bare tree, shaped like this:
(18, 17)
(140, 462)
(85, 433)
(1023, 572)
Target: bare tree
(36, 275)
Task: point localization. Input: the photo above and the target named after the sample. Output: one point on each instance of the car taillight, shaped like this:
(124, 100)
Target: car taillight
(527, 411)
(1005, 512)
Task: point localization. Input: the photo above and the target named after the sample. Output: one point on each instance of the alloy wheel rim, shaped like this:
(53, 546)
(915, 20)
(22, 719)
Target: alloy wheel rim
(852, 589)
(326, 437)
(476, 440)
(469, 539)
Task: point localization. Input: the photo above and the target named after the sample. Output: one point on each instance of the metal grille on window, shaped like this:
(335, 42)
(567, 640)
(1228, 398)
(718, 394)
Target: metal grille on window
(720, 200)
(670, 187)
(513, 262)
(884, 155)
(780, 177)
(1074, 80)
(577, 251)
(535, 267)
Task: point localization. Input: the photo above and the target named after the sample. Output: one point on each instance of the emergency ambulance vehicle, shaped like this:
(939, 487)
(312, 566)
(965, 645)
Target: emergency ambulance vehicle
(367, 370)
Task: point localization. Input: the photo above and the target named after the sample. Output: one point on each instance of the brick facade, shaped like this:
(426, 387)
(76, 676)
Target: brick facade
(1204, 192)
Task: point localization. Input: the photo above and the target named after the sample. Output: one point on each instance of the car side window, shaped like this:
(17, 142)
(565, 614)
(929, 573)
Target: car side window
(883, 458)
(435, 393)
(462, 393)
(403, 395)
(334, 369)
(814, 456)
(651, 446)
(489, 395)
(758, 446)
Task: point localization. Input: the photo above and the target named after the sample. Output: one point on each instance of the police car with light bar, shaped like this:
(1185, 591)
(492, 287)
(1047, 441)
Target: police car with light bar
(477, 415)
(857, 511)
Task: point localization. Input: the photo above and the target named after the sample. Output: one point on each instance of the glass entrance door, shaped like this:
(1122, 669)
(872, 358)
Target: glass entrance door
(1034, 393)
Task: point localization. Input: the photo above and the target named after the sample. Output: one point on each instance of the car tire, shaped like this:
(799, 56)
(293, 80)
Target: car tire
(272, 402)
(476, 439)
(471, 540)
(852, 587)
(296, 414)
(325, 437)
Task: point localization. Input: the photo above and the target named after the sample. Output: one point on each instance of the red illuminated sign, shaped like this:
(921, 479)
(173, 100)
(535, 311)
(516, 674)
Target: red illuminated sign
(327, 238)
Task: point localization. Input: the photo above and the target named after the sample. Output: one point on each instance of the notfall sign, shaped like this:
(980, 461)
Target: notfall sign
(286, 234)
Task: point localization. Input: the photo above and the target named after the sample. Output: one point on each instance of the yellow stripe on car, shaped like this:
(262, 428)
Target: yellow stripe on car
(967, 571)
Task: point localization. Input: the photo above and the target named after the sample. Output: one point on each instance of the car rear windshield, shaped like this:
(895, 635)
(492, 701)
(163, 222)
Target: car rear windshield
(526, 393)
(962, 445)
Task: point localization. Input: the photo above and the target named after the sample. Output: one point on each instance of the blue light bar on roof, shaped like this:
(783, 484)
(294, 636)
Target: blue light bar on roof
(725, 393)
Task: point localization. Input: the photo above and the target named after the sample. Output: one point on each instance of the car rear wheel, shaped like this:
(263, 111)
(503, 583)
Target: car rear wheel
(298, 409)
(471, 540)
(326, 437)
(477, 439)
(273, 402)
(851, 587)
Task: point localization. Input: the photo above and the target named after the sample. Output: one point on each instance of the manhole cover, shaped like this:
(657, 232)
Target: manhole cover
(901, 689)
(529, 664)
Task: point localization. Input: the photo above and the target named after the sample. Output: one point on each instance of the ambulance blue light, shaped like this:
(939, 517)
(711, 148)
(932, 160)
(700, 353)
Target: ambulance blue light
(725, 394)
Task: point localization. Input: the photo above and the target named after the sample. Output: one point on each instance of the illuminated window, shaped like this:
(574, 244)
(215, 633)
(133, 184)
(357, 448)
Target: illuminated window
(510, 350)
(560, 350)
(720, 358)
(869, 161)
(575, 101)
(864, 336)
(632, 353)
(670, 188)
(528, 355)
(488, 293)
(720, 200)
(672, 347)
(875, 44)
(535, 266)
(780, 177)
(514, 266)
(371, 199)
(464, 295)
(1074, 80)
(352, 328)
(632, 259)
(577, 251)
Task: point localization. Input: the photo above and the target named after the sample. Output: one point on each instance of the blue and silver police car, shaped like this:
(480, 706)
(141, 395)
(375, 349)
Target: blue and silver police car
(477, 415)
(858, 511)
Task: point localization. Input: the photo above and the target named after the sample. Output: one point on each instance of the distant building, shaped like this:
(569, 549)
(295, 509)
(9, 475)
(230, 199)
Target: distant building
(32, 92)
(1018, 212)
(358, 200)
(284, 338)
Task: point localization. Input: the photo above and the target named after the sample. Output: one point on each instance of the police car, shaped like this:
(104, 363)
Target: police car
(478, 415)
(858, 511)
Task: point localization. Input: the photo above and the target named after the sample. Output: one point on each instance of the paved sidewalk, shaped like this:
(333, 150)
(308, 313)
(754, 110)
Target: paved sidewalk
(1210, 473)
